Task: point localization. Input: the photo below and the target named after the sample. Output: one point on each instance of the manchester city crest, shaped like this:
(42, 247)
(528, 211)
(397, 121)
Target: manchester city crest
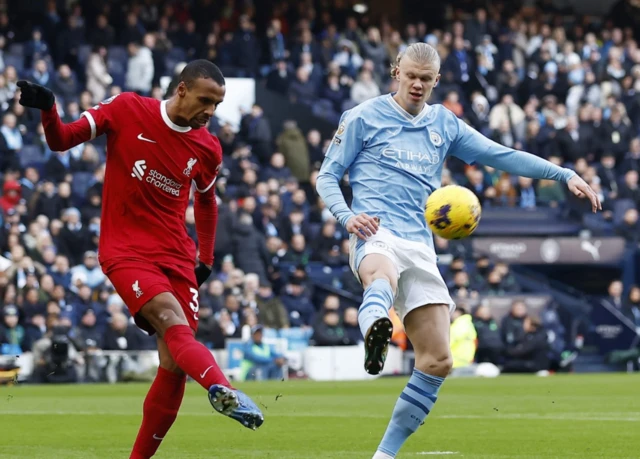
(436, 138)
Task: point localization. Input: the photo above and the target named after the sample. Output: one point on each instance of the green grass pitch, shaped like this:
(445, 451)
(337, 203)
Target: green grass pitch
(572, 416)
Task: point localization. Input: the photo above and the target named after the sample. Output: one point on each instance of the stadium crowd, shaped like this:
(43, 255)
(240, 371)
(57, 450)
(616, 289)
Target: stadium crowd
(531, 79)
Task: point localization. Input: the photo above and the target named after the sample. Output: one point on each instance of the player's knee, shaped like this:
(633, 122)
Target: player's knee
(169, 364)
(374, 267)
(163, 312)
(438, 364)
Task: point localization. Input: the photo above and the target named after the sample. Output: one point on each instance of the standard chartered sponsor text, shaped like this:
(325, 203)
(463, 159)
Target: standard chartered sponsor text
(164, 183)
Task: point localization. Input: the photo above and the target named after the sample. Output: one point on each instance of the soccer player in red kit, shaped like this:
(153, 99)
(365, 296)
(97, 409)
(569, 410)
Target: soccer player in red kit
(155, 151)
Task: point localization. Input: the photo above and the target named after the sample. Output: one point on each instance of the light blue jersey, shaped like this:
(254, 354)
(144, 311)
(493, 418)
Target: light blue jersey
(395, 161)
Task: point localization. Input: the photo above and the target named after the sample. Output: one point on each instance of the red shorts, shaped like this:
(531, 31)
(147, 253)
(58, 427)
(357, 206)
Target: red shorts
(138, 282)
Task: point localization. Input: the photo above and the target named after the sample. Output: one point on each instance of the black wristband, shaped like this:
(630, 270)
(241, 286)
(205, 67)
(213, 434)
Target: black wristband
(202, 273)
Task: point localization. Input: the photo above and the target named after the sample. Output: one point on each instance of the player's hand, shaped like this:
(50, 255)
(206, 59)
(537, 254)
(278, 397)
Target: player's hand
(363, 225)
(202, 273)
(35, 96)
(582, 189)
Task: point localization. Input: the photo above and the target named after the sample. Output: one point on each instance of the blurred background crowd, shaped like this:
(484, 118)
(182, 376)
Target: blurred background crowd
(564, 87)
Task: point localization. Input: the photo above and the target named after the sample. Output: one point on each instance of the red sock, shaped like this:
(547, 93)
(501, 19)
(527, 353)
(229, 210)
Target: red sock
(159, 411)
(193, 357)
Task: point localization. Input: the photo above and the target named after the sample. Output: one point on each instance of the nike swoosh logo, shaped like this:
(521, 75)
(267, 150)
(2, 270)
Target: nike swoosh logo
(155, 437)
(140, 137)
(206, 371)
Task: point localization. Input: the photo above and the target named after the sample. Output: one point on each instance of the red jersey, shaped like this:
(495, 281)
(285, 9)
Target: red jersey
(151, 165)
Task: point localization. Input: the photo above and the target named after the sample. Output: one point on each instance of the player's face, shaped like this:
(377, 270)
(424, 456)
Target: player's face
(200, 101)
(416, 81)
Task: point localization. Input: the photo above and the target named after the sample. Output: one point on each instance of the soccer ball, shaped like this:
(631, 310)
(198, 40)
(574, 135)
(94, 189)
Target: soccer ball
(453, 212)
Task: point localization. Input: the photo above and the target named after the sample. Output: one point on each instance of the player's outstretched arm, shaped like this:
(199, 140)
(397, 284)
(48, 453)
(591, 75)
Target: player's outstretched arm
(60, 136)
(471, 146)
(328, 187)
(205, 209)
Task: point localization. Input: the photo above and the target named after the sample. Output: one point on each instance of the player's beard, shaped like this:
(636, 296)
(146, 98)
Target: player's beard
(198, 122)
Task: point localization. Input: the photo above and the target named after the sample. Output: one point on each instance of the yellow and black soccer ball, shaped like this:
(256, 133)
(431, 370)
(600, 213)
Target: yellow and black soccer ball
(453, 212)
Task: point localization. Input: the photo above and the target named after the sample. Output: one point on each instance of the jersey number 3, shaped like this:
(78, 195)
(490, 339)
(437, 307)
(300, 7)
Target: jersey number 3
(193, 304)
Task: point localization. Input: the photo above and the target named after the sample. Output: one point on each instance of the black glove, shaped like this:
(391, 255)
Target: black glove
(35, 96)
(202, 273)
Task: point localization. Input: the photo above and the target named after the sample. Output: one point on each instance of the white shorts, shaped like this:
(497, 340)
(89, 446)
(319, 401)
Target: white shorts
(419, 280)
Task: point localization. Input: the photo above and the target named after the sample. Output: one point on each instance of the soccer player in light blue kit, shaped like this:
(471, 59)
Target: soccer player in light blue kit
(394, 147)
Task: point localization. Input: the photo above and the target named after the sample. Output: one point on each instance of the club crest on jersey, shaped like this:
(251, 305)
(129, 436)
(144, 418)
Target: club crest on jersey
(109, 100)
(436, 138)
(192, 162)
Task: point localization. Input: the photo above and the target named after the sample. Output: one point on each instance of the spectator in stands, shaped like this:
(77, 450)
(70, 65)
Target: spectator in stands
(88, 335)
(209, 330)
(291, 143)
(271, 311)
(297, 253)
(34, 331)
(256, 129)
(279, 78)
(13, 141)
(630, 189)
(631, 309)
(509, 282)
(102, 34)
(260, 362)
(632, 158)
(65, 84)
(530, 355)
(478, 186)
(614, 297)
(213, 296)
(452, 102)
(364, 88)
(12, 194)
(12, 335)
(629, 227)
(246, 49)
(512, 327)
(140, 69)
(494, 284)
(74, 237)
(329, 331)
(300, 309)
(122, 335)
(277, 169)
(35, 49)
(526, 193)
(550, 193)
(302, 89)
(326, 241)
(490, 345)
(98, 78)
(351, 327)
(617, 130)
(91, 270)
(463, 338)
(249, 248)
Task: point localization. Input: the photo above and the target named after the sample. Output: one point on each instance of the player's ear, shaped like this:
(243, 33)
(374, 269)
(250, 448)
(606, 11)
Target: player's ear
(437, 80)
(181, 90)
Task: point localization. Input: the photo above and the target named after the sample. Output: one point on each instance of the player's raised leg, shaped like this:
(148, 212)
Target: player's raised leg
(167, 317)
(379, 278)
(428, 329)
(161, 405)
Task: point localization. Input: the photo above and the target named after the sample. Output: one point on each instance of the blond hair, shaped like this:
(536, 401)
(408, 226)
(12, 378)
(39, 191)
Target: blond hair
(420, 53)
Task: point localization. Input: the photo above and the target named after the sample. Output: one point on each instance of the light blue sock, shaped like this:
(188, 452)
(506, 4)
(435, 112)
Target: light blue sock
(377, 300)
(413, 406)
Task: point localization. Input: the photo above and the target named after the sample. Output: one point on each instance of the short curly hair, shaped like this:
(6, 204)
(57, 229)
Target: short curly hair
(422, 53)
